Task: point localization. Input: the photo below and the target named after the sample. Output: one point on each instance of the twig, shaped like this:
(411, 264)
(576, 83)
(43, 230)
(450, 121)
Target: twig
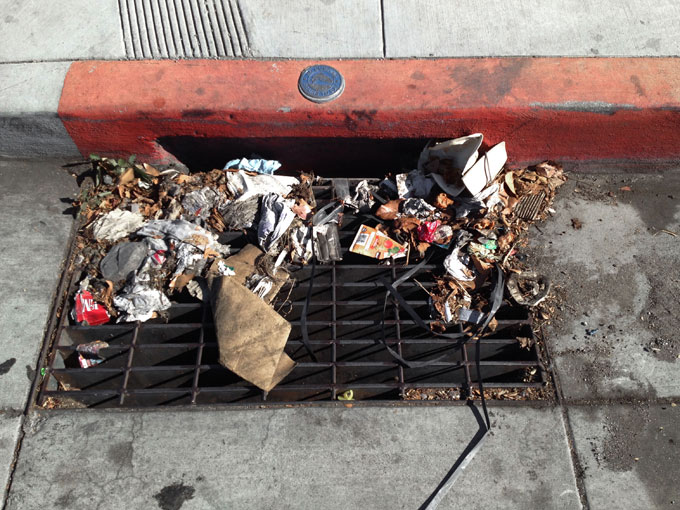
(423, 287)
(286, 301)
(507, 255)
(669, 232)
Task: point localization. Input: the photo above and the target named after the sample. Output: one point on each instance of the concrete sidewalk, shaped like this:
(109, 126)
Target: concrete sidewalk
(609, 444)
(32, 31)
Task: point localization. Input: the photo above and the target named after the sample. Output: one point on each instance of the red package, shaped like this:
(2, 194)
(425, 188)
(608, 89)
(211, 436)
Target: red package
(87, 311)
(427, 229)
(159, 257)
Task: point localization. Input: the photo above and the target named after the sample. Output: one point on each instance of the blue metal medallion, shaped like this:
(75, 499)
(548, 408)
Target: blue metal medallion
(321, 83)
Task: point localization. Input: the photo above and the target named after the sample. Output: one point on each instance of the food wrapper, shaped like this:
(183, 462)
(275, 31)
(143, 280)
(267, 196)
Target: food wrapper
(88, 354)
(443, 236)
(427, 230)
(88, 311)
(373, 243)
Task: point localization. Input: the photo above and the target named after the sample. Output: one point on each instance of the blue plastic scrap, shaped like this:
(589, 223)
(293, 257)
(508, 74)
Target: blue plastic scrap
(260, 166)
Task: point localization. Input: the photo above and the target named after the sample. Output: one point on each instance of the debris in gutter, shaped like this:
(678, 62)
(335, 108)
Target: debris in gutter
(528, 288)
(152, 236)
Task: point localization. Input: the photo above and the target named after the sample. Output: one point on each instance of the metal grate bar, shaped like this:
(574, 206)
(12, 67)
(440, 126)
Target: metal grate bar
(128, 367)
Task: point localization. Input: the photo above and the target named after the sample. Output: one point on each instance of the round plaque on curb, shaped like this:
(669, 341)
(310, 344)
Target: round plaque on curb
(320, 83)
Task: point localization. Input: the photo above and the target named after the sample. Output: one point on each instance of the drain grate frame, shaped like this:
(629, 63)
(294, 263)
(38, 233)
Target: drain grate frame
(174, 363)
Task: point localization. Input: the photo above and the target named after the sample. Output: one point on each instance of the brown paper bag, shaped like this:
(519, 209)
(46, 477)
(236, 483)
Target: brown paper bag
(251, 336)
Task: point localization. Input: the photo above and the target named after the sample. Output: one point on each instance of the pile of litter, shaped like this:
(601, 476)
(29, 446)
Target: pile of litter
(150, 236)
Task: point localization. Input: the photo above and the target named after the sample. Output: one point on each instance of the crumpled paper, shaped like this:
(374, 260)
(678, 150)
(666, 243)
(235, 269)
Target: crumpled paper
(275, 218)
(244, 186)
(182, 230)
(138, 301)
(116, 225)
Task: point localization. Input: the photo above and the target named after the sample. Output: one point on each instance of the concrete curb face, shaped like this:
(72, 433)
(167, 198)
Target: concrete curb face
(559, 108)
(570, 109)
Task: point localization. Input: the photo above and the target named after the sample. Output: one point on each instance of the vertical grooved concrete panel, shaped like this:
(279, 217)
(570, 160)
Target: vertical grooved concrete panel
(157, 29)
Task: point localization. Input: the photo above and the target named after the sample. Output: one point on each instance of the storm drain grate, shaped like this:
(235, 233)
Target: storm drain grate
(161, 363)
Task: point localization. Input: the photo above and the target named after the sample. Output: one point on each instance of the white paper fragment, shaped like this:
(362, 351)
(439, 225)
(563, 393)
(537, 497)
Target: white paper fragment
(116, 225)
(473, 316)
(485, 170)
(459, 153)
(244, 186)
(198, 289)
(456, 264)
(301, 237)
(139, 303)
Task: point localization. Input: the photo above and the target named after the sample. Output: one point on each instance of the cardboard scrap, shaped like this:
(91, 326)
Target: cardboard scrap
(251, 336)
(373, 243)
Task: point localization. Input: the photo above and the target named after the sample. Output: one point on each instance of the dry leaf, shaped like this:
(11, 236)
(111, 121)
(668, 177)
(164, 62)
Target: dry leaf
(510, 183)
(483, 224)
(180, 281)
(389, 210)
(127, 177)
(208, 252)
(422, 248)
(443, 201)
(406, 224)
(505, 241)
(151, 170)
(301, 208)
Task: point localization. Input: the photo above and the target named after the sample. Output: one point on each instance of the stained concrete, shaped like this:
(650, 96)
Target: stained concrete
(629, 454)
(467, 28)
(313, 29)
(34, 30)
(29, 98)
(34, 233)
(10, 424)
(617, 274)
(304, 458)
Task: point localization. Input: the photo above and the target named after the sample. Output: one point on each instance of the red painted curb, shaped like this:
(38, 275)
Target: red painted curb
(559, 108)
